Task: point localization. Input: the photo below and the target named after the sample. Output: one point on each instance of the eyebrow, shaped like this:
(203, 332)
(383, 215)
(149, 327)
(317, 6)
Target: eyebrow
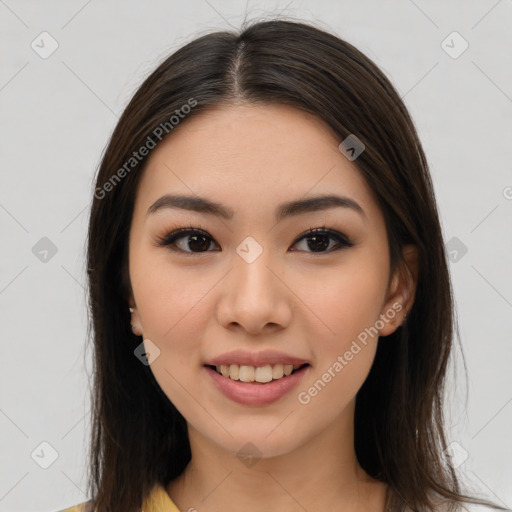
(285, 210)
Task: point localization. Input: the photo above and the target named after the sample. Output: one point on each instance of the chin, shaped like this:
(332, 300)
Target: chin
(259, 443)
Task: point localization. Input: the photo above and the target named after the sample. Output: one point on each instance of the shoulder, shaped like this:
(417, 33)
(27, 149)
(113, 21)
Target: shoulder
(86, 506)
(157, 501)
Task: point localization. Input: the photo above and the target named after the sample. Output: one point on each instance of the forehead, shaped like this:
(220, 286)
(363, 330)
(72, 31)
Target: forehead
(246, 156)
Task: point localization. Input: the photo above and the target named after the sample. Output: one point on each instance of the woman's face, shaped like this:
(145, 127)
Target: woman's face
(254, 281)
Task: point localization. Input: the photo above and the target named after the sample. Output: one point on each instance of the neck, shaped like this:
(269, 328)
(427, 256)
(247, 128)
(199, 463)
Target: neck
(322, 474)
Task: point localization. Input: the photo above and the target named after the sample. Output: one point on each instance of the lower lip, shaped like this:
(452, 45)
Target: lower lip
(255, 394)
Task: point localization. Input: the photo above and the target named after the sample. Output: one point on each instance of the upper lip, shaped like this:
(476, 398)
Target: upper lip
(243, 357)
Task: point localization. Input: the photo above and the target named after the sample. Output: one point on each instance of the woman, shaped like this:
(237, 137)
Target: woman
(270, 298)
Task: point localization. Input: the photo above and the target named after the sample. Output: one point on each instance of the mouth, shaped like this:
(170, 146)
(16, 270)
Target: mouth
(258, 375)
(256, 386)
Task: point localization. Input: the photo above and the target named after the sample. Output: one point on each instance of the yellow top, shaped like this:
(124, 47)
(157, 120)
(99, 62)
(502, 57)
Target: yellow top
(158, 501)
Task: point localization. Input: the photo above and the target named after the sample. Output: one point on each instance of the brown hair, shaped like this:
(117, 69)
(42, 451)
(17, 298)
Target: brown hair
(138, 436)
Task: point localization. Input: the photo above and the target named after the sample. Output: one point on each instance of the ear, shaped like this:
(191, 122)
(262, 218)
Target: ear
(135, 318)
(401, 291)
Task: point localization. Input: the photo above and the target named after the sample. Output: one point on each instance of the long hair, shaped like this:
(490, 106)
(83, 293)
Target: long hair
(138, 437)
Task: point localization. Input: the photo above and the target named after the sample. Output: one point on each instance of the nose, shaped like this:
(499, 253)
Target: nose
(255, 297)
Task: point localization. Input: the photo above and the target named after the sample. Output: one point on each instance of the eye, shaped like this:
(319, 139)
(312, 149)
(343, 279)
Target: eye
(319, 238)
(198, 240)
(193, 240)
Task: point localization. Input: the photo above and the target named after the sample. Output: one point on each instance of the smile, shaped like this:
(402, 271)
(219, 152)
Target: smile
(240, 383)
(260, 374)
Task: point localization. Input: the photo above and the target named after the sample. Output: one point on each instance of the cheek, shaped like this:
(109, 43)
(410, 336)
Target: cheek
(347, 301)
(169, 300)
(171, 306)
(345, 343)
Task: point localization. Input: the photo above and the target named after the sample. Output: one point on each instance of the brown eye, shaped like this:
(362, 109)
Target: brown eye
(319, 240)
(194, 240)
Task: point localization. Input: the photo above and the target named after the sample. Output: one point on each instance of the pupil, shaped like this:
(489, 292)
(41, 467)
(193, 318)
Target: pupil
(194, 238)
(320, 245)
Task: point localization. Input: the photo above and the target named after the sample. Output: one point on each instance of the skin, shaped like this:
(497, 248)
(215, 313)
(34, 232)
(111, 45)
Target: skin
(308, 302)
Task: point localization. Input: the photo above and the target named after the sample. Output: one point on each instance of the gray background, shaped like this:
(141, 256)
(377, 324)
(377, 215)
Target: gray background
(57, 114)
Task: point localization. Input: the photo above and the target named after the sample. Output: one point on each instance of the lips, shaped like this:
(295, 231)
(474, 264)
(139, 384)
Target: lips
(256, 394)
(263, 358)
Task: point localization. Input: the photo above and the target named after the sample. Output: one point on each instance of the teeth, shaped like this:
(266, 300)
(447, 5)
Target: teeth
(234, 370)
(277, 371)
(246, 373)
(261, 374)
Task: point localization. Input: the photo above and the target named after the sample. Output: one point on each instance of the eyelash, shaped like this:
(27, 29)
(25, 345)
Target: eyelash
(171, 237)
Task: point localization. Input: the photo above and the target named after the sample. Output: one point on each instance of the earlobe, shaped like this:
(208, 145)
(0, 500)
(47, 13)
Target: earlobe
(402, 292)
(135, 323)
